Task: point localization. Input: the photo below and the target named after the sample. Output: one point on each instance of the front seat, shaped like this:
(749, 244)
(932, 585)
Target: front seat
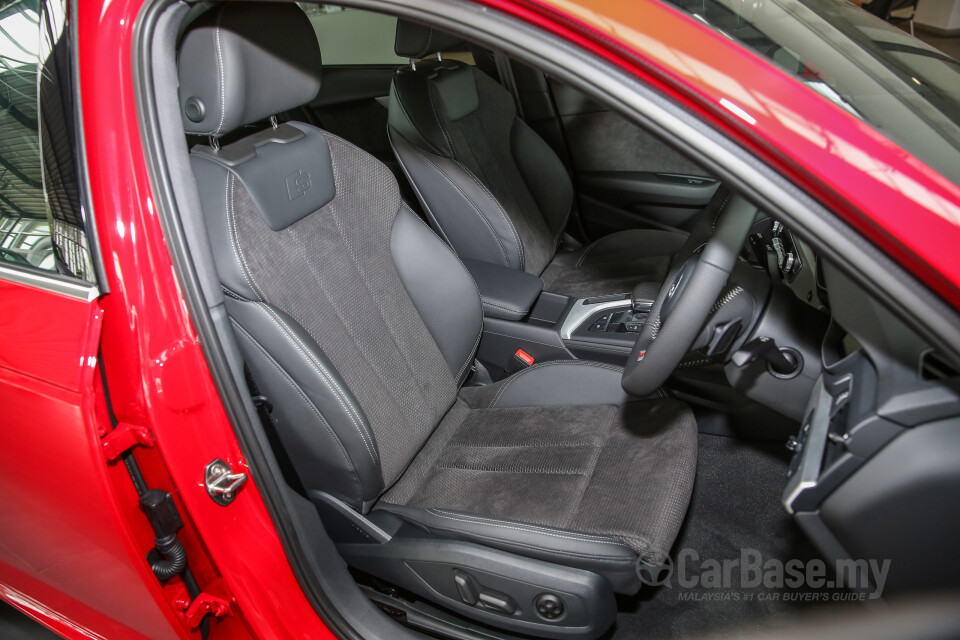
(491, 187)
(360, 326)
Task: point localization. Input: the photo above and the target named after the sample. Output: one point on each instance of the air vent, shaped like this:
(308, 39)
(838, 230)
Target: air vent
(933, 366)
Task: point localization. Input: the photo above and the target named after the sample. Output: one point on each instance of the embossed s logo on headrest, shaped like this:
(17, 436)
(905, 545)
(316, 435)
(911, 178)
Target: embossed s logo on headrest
(298, 183)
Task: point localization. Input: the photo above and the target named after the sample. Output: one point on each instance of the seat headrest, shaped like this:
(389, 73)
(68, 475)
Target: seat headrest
(242, 62)
(416, 41)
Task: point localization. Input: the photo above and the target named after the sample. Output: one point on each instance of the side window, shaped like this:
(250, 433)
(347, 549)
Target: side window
(353, 36)
(41, 224)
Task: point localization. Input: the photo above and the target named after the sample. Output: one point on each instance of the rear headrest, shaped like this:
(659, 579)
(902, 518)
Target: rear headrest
(416, 41)
(245, 61)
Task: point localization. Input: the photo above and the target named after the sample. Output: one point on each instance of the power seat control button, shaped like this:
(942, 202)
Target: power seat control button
(549, 606)
(466, 585)
(497, 601)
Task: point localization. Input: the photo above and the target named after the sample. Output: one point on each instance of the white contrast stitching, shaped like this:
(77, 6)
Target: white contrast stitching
(720, 209)
(436, 115)
(542, 471)
(730, 295)
(503, 212)
(235, 239)
(325, 376)
(655, 329)
(530, 529)
(426, 47)
(504, 307)
(296, 387)
(472, 352)
(223, 101)
(493, 231)
(470, 516)
(470, 355)
(598, 365)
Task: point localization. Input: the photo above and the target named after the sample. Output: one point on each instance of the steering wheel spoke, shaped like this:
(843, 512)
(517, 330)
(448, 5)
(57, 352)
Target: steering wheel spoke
(685, 300)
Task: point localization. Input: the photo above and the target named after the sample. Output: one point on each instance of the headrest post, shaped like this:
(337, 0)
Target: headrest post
(214, 143)
(413, 64)
(439, 57)
(273, 121)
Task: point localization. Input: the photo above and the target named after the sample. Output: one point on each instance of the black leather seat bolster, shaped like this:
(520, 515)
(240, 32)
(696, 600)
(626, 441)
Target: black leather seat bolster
(480, 230)
(562, 383)
(440, 289)
(602, 554)
(506, 293)
(328, 436)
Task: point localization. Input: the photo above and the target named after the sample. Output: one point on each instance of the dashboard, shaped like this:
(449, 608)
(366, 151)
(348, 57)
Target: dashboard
(874, 473)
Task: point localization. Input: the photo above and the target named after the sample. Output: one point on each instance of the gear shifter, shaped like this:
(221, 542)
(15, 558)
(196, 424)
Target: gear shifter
(643, 296)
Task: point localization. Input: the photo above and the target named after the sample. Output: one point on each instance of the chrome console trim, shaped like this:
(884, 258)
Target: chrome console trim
(581, 312)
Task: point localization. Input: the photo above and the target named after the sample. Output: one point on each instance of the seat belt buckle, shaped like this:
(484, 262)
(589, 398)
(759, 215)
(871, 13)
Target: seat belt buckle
(520, 360)
(524, 357)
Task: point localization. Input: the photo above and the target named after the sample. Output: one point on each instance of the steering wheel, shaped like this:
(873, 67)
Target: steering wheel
(685, 300)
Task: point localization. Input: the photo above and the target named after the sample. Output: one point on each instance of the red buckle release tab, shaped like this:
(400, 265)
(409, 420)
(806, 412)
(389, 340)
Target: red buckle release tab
(523, 355)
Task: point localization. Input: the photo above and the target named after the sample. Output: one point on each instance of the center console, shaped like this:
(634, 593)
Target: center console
(518, 315)
(605, 328)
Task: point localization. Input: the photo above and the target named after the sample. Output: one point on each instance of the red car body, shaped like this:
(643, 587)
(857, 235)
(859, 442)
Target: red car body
(74, 542)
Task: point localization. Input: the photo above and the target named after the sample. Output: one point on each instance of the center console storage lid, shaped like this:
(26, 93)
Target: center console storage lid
(506, 293)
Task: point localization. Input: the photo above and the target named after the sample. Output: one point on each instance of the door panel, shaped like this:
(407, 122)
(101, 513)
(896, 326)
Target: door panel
(617, 200)
(62, 540)
(626, 177)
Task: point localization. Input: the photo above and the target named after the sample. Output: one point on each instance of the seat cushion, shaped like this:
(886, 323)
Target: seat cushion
(613, 264)
(607, 476)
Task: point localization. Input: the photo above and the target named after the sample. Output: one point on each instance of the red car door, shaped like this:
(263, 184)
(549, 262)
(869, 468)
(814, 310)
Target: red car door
(64, 545)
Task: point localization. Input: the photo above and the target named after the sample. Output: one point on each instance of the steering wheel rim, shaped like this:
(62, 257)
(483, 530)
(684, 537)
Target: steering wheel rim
(684, 302)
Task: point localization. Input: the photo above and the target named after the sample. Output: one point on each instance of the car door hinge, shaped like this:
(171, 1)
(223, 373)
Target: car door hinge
(124, 437)
(213, 600)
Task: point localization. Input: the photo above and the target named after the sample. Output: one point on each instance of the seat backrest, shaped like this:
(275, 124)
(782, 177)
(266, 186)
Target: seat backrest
(488, 183)
(354, 318)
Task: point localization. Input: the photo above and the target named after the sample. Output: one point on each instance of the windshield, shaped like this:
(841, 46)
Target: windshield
(904, 88)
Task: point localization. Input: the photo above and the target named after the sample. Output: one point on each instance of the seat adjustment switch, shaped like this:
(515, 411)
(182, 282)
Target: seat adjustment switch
(549, 606)
(497, 601)
(466, 585)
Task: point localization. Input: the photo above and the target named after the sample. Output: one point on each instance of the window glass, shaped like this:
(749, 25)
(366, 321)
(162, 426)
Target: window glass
(352, 36)
(907, 90)
(41, 223)
(360, 38)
